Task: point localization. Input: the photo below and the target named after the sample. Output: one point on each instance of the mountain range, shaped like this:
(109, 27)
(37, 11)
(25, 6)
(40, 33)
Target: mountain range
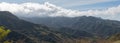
(95, 25)
(84, 29)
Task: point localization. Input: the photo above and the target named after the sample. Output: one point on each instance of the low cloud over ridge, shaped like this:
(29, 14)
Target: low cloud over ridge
(49, 10)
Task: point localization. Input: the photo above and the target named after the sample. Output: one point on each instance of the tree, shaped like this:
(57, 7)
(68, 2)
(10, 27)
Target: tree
(3, 32)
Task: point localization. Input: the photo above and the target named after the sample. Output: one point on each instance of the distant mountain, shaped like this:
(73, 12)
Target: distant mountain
(38, 33)
(98, 26)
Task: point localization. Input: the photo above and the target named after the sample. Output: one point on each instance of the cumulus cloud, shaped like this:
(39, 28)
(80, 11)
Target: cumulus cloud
(50, 10)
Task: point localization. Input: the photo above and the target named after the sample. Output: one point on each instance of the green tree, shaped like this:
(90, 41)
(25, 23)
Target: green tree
(3, 32)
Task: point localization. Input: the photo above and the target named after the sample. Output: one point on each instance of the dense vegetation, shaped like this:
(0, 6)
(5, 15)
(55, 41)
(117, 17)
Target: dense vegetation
(3, 34)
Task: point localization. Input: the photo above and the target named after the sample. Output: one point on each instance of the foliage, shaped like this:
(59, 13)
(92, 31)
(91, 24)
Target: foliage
(3, 32)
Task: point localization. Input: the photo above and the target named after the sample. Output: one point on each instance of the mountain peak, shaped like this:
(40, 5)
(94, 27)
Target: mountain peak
(7, 15)
(4, 12)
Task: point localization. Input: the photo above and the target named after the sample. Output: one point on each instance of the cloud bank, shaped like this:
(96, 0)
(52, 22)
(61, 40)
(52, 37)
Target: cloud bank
(49, 10)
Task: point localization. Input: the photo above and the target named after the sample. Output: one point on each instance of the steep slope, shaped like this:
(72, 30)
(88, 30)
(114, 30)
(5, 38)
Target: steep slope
(8, 36)
(38, 33)
(98, 26)
(12, 22)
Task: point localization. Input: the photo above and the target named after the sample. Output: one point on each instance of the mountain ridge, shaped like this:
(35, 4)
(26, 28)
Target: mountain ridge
(36, 32)
(86, 23)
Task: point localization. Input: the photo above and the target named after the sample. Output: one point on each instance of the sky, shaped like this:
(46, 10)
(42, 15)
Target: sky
(108, 9)
(74, 4)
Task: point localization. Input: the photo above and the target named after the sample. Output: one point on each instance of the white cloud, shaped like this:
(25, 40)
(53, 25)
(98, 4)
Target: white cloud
(50, 10)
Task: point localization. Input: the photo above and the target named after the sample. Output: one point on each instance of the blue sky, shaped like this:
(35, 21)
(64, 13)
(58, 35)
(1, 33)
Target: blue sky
(74, 4)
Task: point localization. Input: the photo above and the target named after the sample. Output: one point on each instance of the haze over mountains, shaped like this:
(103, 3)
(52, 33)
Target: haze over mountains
(49, 23)
(50, 10)
(80, 30)
(37, 33)
(87, 23)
